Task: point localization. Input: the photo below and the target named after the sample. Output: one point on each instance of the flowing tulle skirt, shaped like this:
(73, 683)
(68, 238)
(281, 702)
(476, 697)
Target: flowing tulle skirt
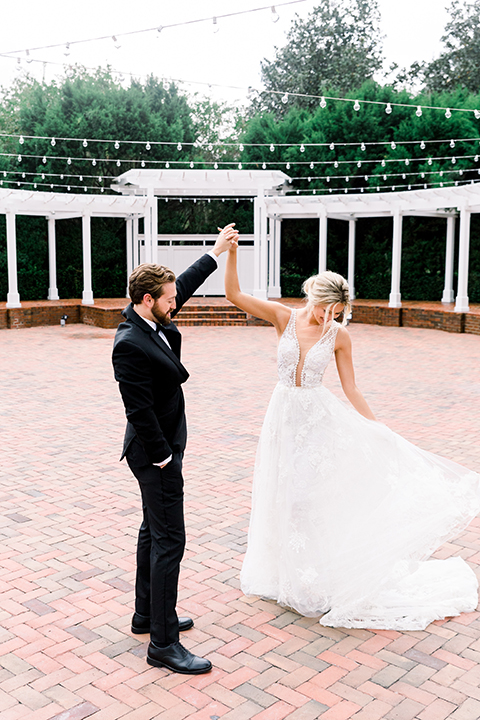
(345, 514)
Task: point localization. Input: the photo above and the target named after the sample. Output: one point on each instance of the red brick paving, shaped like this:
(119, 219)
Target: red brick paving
(70, 518)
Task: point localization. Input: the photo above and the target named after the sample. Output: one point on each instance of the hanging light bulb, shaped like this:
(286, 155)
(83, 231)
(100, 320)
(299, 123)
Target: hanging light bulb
(356, 105)
(192, 164)
(359, 164)
(332, 146)
(407, 161)
(69, 161)
(448, 113)
(335, 164)
(429, 161)
(19, 158)
(148, 146)
(264, 167)
(216, 166)
(422, 175)
(29, 59)
(452, 143)
(85, 143)
(116, 42)
(23, 175)
(454, 160)
(287, 166)
(475, 158)
(460, 172)
(142, 163)
(309, 179)
(43, 176)
(393, 145)
(61, 177)
(94, 162)
(302, 148)
(159, 30)
(477, 114)
(312, 166)
(53, 142)
(383, 163)
(241, 148)
(328, 179)
(363, 147)
(418, 111)
(323, 102)
(215, 25)
(21, 140)
(388, 109)
(347, 179)
(285, 98)
(66, 52)
(404, 176)
(240, 166)
(275, 16)
(422, 145)
(272, 148)
(118, 163)
(179, 146)
(366, 178)
(167, 165)
(384, 177)
(44, 160)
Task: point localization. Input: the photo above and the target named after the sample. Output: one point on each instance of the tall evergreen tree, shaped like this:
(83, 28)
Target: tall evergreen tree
(338, 46)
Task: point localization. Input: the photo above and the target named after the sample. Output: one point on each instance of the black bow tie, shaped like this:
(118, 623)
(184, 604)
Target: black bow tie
(158, 327)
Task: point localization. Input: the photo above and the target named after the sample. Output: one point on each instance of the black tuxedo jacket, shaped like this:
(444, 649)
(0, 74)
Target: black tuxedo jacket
(150, 376)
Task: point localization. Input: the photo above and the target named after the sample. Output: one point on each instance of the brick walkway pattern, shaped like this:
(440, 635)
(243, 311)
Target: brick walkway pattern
(70, 513)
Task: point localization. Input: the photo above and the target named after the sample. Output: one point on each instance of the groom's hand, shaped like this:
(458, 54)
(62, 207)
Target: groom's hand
(228, 236)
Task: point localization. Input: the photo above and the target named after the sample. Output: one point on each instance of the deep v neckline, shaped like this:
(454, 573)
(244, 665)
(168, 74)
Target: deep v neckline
(294, 325)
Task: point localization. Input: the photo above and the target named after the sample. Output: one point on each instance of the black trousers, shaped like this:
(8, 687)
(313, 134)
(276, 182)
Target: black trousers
(161, 543)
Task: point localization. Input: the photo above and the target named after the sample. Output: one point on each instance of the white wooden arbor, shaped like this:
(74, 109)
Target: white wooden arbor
(261, 185)
(60, 206)
(440, 202)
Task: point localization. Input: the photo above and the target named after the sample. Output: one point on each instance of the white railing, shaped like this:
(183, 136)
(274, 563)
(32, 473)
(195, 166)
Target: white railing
(179, 257)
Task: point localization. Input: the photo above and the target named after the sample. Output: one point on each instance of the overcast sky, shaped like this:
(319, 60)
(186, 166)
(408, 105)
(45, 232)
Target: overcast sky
(231, 56)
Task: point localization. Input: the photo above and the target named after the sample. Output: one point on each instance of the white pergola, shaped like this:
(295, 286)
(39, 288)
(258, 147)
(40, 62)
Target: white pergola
(60, 206)
(138, 196)
(447, 203)
(261, 185)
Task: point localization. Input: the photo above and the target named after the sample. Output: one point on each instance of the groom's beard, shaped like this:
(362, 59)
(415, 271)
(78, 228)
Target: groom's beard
(161, 317)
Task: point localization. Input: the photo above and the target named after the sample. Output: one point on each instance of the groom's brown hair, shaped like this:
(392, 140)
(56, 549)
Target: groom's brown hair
(149, 278)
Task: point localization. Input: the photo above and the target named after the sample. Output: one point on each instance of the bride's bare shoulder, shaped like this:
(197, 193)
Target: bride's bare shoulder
(343, 339)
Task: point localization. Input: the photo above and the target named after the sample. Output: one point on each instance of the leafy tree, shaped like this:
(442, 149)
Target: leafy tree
(337, 47)
(458, 66)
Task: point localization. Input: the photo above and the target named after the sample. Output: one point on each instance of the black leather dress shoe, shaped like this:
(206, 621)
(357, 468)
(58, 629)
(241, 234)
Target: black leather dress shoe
(177, 659)
(141, 624)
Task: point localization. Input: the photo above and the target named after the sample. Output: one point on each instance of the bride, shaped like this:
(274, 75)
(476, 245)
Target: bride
(345, 512)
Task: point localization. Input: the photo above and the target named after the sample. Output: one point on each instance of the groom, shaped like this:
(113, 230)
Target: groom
(146, 360)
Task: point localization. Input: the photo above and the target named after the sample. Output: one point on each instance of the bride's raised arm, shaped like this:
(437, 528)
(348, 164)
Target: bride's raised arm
(274, 312)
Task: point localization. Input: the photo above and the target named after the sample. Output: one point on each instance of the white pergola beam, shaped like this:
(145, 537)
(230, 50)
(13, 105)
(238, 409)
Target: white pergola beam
(395, 299)
(87, 294)
(461, 303)
(448, 295)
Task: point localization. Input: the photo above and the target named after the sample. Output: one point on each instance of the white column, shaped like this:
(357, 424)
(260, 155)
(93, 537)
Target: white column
(13, 298)
(274, 289)
(151, 228)
(395, 296)
(448, 295)
(322, 242)
(136, 243)
(351, 257)
(260, 254)
(87, 295)
(52, 261)
(130, 252)
(461, 304)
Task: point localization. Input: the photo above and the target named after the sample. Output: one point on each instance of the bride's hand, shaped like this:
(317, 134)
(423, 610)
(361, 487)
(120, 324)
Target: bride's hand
(230, 234)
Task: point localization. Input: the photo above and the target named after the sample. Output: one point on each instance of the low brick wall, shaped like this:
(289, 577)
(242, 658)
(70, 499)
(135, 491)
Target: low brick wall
(376, 315)
(100, 317)
(436, 320)
(472, 324)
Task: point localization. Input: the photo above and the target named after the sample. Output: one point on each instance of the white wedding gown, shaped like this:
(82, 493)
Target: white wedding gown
(345, 512)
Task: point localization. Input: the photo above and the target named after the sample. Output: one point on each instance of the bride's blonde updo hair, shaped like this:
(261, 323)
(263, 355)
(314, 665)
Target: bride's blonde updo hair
(328, 289)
